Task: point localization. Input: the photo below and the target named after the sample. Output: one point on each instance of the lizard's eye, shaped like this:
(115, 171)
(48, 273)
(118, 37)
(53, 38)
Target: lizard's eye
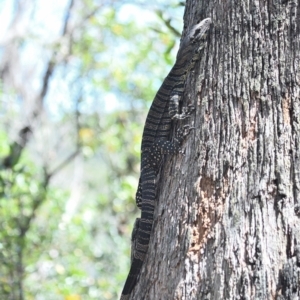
(197, 31)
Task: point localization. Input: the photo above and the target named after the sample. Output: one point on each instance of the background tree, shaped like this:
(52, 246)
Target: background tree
(227, 219)
(76, 79)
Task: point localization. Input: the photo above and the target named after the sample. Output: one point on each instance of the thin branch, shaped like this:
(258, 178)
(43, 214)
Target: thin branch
(67, 18)
(168, 23)
(39, 100)
(78, 144)
(52, 62)
(67, 31)
(64, 163)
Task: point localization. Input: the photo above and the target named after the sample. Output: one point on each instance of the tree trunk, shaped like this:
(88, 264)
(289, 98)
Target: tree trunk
(227, 218)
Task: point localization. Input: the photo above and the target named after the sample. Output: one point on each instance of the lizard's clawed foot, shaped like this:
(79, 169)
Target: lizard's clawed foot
(190, 109)
(184, 131)
(187, 111)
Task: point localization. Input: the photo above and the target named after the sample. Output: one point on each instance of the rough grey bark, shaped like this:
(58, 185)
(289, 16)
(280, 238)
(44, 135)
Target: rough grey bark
(227, 219)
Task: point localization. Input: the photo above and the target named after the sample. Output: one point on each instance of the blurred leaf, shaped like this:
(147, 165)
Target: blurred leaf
(73, 297)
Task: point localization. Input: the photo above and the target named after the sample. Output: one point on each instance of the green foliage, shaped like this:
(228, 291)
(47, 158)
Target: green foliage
(66, 253)
(66, 241)
(21, 192)
(117, 56)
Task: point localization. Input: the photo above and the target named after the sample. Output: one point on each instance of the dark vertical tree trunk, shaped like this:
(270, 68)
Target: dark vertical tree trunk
(227, 219)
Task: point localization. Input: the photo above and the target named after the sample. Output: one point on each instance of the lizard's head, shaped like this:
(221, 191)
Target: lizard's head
(194, 41)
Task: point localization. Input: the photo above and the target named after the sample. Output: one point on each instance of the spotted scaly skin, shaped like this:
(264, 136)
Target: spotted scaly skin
(156, 143)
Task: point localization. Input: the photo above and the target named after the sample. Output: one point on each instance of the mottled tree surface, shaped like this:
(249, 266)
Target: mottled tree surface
(227, 222)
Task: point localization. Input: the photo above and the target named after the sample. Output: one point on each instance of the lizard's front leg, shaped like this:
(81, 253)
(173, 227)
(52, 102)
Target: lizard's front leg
(174, 108)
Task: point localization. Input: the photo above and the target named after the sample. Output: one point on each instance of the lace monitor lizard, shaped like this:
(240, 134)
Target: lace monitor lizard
(156, 143)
